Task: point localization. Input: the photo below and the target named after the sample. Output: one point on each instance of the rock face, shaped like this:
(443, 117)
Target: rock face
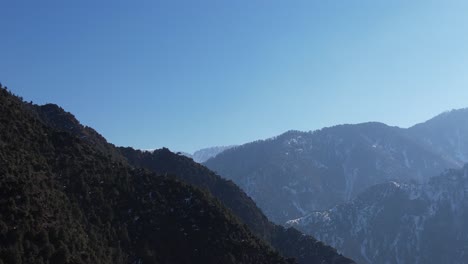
(299, 172)
(399, 223)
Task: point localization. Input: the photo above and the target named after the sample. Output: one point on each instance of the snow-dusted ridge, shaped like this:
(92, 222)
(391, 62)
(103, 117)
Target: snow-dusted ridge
(399, 222)
(299, 172)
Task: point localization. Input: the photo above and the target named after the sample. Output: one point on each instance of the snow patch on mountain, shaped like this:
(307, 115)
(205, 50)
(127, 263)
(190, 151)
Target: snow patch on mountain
(399, 222)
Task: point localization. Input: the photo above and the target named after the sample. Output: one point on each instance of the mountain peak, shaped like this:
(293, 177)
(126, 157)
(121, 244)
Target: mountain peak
(445, 135)
(444, 118)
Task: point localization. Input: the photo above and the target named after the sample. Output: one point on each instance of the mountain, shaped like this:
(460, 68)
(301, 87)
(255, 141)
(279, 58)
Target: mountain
(57, 118)
(289, 242)
(164, 161)
(399, 223)
(299, 172)
(63, 200)
(205, 154)
(445, 134)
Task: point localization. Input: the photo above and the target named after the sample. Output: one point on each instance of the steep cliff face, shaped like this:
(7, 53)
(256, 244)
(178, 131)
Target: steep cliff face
(399, 223)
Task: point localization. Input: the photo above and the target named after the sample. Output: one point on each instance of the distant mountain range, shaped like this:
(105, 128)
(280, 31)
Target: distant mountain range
(387, 203)
(205, 154)
(379, 194)
(69, 196)
(399, 223)
(298, 172)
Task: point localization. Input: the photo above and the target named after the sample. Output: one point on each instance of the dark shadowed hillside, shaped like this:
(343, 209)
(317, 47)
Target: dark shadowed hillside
(57, 118)
(63, 201)
(289, 242)
(305, 248)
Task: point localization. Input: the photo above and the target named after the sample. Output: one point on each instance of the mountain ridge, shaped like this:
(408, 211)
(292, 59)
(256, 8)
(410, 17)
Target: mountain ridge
(399, 223)
(296, 172)
(66, 201)
(304, 248)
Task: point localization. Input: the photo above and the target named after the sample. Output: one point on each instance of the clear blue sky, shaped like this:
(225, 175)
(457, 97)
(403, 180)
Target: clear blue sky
(191, 74)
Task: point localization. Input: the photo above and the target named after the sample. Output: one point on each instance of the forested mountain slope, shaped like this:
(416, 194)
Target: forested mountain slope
(299, 172)
(64, 201)
(304, 248)
(289, 242)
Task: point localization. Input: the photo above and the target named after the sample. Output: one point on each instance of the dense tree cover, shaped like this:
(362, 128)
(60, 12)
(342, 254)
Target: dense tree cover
(164, 161)
(305, 249)
(65, 201)
(56, 117)
(289, 242)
